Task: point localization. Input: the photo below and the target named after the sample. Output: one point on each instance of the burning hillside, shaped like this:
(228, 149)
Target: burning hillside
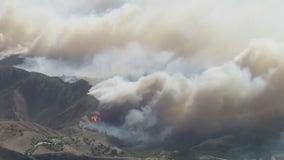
(94, 118)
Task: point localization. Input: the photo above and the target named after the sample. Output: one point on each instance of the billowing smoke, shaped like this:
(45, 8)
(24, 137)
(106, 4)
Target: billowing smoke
(215, 29)
(160, 68)
(244, 94)
(115, 61)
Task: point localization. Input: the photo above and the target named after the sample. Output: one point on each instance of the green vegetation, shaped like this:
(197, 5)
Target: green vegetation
(52, 143)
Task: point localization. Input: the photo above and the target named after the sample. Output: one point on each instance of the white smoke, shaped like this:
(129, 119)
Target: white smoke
(220, 99)
(130, 137)
(131, 61)
(194, 29)
(164, 67)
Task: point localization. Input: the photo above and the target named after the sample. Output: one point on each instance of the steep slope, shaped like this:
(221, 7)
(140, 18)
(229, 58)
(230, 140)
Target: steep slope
(39, 117)
(48, 101)
(35, 108)
(14, 59)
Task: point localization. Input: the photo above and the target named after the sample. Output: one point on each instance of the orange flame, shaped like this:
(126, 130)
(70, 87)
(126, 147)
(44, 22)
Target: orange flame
(95, 118)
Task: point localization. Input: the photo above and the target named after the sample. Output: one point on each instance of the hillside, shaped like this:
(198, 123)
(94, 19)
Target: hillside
(35, 108)
(45, 100)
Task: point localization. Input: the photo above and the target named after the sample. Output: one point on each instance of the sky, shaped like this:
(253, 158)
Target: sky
(167, 67)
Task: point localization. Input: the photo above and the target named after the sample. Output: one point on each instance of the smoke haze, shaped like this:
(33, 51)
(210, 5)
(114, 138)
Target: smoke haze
(160, 67)
(241, 94)
(218, 29)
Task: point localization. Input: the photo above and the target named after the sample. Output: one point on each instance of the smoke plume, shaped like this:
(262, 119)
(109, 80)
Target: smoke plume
(217, 29)
(243, 94)
(160, 68)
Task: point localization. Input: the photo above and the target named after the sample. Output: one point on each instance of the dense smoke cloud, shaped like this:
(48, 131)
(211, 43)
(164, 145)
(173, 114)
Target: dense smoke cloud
(244, 94)
(130, 61)
(87, 6)
(218, 29)
(160, 68)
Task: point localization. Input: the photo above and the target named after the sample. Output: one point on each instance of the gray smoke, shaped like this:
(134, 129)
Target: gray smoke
(230, 97)
(193, 29)
(159, 67)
